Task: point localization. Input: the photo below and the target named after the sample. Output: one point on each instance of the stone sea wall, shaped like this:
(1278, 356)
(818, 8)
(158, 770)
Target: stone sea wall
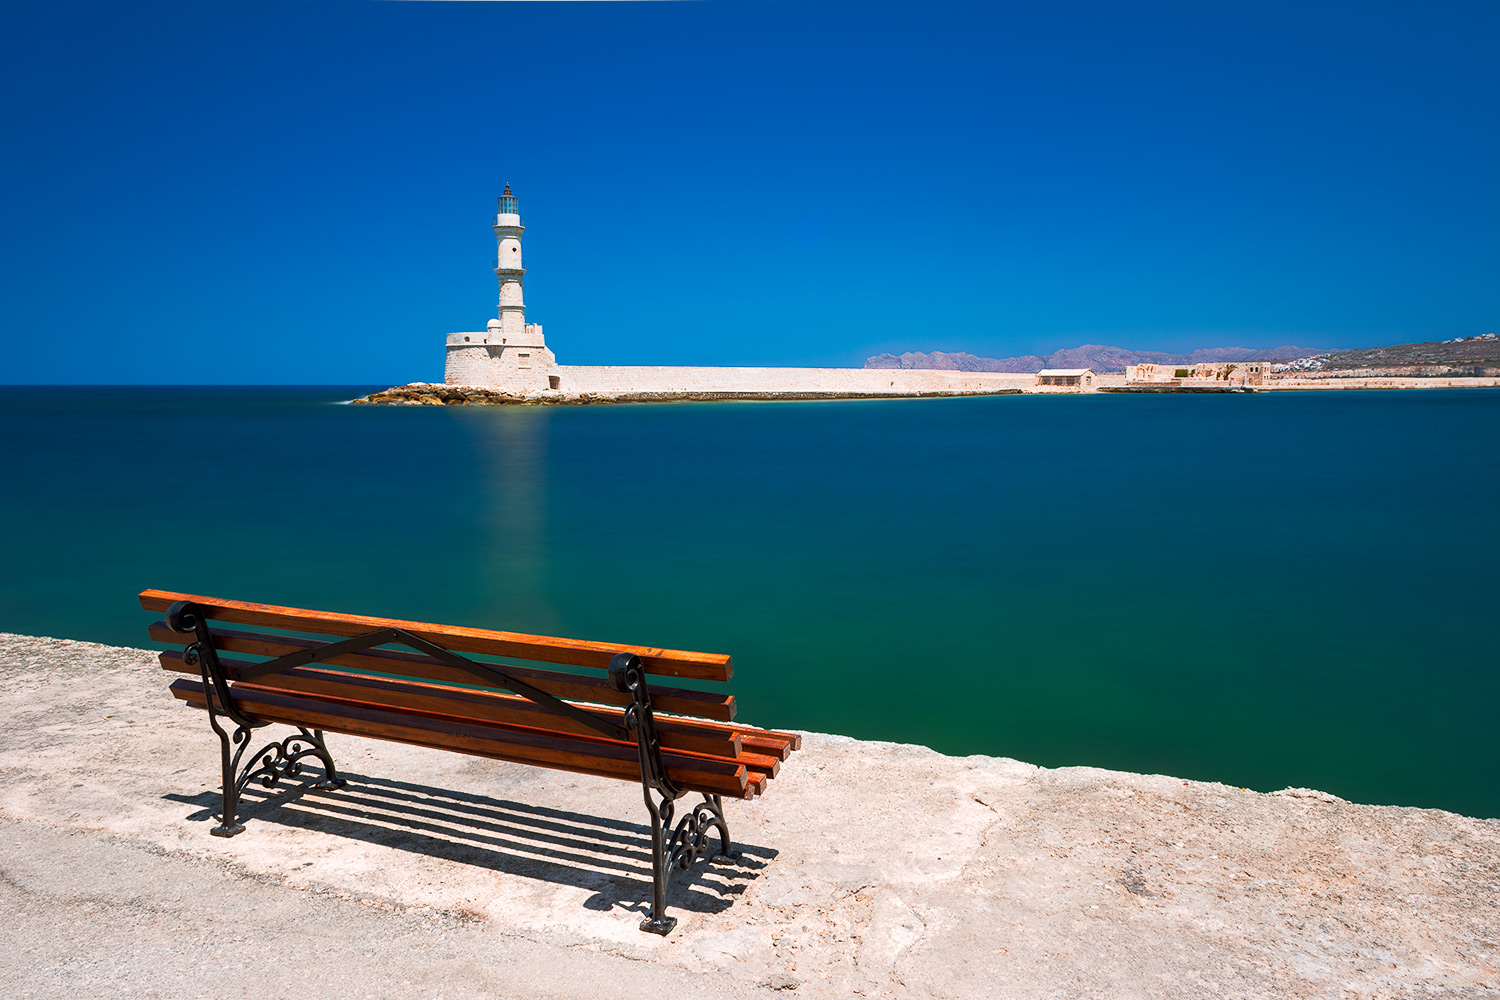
(583, 384)
(636, 384)
(497, 368)
(829, 381)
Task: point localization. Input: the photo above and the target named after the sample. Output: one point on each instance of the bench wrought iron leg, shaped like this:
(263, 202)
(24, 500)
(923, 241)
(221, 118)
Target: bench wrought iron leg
(272, 762)
(659, 922)
(691, 832)
(688, 844)
(330, 777)
(231, 760)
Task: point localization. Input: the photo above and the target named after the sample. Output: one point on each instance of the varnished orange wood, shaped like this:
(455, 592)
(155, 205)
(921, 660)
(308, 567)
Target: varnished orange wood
(575, 652)
(676, 701)
(503, 743)
(460, 703)
(765, 740)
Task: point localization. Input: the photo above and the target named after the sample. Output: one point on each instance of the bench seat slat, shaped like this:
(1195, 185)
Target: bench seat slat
(468, 707)
(465, 706)
(574, 652)
(765, 740)
(598, 757)
(721, 754)
(677, 701)
(440, 699)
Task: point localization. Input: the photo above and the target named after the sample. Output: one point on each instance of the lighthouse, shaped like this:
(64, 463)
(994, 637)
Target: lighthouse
(511, 352)
(510, 268)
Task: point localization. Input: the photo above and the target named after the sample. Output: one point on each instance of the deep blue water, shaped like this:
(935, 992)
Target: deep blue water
(1267, 590)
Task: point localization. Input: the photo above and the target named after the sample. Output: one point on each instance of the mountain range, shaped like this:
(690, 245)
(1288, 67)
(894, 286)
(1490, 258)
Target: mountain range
(1099, 357)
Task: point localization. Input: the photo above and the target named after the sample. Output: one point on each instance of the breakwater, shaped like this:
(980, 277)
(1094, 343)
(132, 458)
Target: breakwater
(435, 394)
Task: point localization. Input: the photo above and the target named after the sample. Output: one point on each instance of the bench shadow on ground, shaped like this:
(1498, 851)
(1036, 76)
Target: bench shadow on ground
(609, 857)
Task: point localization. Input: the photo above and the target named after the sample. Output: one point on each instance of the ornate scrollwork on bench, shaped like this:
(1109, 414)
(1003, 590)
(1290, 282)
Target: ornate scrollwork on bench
(283, 759)
(690, 836)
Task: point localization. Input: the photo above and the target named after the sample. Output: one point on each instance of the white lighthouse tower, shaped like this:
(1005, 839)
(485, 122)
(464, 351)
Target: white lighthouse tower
(511, 353)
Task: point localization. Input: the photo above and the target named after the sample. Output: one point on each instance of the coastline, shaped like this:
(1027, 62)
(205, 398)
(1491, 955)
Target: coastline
(441, 394)
(877, 868)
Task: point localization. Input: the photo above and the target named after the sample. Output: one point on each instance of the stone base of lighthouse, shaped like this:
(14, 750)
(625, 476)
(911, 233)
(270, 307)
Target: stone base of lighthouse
(516, 362)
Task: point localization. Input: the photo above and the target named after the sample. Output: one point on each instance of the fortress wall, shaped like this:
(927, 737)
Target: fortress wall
(497, 367)
(639, 378)
(467, 366)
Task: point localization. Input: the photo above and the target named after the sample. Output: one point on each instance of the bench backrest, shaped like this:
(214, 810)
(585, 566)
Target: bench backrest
(319, 628)
(562, 690)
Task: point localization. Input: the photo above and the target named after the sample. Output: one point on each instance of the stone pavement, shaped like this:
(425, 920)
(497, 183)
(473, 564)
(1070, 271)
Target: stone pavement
(868, 869)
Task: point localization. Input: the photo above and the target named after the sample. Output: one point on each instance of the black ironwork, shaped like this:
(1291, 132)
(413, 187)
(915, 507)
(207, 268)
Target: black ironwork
(689, 837)
(276, 760)
(268, 766)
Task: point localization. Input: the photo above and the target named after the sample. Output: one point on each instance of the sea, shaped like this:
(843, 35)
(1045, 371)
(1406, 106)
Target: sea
(1268, 590)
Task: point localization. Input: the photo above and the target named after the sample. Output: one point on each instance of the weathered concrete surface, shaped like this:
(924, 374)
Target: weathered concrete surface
(868, 869)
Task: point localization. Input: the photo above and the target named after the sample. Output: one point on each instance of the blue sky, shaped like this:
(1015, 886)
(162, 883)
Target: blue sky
(300, 192)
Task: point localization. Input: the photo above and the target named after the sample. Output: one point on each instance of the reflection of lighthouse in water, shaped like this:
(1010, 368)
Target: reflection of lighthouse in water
(510, 561)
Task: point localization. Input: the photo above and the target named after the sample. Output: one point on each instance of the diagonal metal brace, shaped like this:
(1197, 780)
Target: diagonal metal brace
(483, 671)
(324, 652)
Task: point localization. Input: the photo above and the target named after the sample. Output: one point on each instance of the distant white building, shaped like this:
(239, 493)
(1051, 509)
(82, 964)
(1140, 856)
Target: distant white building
(1075, 378)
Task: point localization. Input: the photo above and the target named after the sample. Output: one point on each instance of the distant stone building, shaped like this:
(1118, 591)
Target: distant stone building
(1234, 373)
(1067, 378)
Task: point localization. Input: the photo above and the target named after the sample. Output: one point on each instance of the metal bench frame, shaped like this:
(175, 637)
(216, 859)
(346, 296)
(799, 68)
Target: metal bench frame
(281, 759)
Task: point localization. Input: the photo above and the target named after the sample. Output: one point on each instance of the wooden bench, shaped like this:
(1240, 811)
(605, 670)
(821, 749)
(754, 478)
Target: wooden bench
(333, 673)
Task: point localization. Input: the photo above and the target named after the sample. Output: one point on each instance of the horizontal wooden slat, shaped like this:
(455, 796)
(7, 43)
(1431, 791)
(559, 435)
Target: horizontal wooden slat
(762, 764)
(460, 703)
(599, 757)
(466, 706)
(677, 701)
(574, 652)
(772, 745)
(762, 740)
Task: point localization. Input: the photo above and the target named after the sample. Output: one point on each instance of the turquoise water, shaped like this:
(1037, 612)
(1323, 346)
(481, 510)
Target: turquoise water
(1268, 590)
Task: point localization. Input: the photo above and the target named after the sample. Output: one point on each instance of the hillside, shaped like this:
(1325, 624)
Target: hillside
(1463, 352)
(1460, 356)
(1099, 357)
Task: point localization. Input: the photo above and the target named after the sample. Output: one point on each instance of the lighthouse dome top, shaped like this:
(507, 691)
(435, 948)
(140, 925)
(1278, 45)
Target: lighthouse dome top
(508, 203)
